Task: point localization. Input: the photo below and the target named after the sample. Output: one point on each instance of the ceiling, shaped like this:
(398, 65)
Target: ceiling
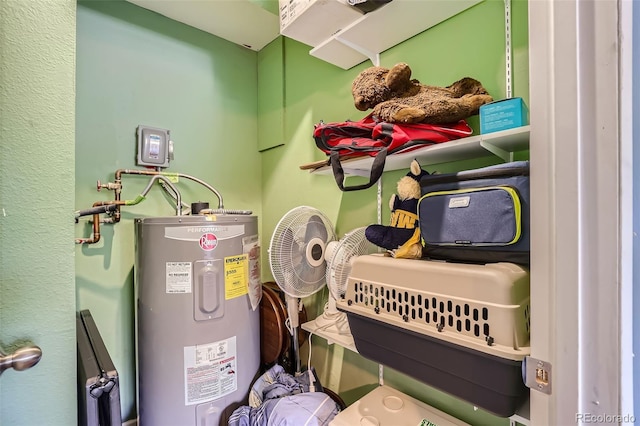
(243, 22)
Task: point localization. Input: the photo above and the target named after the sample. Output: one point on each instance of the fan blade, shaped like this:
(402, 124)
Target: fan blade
(297, 255)
(316, 228)
(315, 242)
(284, 249)
(312, 267)
(310, 275)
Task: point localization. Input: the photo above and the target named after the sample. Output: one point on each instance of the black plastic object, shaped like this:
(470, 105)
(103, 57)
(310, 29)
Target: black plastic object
(198, 206)
(98, 383)
(367, 6)
(492, 383)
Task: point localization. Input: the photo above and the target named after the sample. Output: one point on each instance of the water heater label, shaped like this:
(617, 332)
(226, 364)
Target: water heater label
(178, 277)
(251, 246)
(196, 233)
(210, 371)
(236, 281)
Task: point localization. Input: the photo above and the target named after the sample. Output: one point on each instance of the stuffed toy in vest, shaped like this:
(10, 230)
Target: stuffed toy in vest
(401, 238)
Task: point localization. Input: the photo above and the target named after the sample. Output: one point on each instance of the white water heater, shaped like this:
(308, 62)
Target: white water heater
(198, 334)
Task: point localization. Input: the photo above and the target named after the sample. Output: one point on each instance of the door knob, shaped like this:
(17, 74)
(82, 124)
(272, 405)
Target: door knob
(22, 359)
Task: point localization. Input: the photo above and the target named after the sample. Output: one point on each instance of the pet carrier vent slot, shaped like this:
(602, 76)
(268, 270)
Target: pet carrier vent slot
(412, 306)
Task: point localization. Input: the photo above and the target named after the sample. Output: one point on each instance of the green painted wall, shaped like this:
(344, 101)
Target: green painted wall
(271, 79)
(270, 5)
(37, 306)
(137, 67)
(469, 44)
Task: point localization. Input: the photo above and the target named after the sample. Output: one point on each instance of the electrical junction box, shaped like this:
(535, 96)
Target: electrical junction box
(155, 148)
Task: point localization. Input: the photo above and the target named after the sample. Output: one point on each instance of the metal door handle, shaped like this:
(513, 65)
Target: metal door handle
(22, 359)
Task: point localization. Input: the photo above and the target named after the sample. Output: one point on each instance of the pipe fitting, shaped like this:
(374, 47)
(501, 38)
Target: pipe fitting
(112, 208)
(109, 185)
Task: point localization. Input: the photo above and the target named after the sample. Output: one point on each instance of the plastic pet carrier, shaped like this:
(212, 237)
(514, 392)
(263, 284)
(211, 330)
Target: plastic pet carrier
(98, 384)
(461, 328)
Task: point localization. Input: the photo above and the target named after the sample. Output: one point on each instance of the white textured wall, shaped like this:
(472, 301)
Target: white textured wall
(37, 289)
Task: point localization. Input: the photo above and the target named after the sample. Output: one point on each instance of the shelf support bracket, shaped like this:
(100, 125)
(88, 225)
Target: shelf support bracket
(507, 39)
(374, 57)
(505, 155)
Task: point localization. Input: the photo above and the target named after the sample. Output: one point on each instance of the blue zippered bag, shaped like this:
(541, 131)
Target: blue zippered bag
(477, 216)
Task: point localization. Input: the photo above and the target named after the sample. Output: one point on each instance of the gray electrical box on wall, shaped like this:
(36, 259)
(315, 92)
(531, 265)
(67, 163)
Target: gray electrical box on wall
(155, 148)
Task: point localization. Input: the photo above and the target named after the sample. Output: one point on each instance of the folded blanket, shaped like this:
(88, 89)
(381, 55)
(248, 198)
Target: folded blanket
(279, 399)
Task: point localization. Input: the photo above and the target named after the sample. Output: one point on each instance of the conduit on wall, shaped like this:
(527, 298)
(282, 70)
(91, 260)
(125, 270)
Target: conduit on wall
(113, 208)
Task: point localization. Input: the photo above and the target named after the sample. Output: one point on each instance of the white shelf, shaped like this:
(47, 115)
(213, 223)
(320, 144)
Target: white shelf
(502, 144)
(343, 340)
(385, 27)
(522, 415)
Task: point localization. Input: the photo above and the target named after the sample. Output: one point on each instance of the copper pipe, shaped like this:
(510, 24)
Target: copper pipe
(120, 172)
(95, 236)
(118, 201)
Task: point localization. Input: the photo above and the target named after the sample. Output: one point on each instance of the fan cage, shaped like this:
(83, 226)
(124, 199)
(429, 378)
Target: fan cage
(288, 252)
(353, 244)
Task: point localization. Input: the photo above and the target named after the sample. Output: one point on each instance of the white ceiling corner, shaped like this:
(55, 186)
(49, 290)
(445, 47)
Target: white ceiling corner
(238, 21)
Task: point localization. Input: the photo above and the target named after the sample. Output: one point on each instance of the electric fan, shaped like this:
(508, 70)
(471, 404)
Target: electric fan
(339, 256)
(297, 259)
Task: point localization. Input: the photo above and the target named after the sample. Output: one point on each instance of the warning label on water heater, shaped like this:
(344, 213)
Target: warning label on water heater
(178, 277)
(210, 371)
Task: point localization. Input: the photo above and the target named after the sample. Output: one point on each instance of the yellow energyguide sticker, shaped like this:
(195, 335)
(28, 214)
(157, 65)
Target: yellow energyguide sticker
(235, 276)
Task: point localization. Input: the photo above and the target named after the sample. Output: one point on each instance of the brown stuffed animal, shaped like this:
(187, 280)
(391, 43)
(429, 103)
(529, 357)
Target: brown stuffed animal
(396, 98)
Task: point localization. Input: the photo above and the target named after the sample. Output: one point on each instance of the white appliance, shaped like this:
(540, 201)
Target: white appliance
(340, 255)
(385, 406)
(297, 259)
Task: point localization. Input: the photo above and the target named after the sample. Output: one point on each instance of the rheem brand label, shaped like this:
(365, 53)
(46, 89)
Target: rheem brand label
(208, 242)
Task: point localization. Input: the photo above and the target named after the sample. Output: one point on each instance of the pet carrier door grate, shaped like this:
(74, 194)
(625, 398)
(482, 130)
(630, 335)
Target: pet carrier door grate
(441, 312)
(463, 328)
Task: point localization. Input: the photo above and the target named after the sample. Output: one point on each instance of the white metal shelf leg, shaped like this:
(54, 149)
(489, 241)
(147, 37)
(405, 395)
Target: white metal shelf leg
(379, 202)
(507, 39)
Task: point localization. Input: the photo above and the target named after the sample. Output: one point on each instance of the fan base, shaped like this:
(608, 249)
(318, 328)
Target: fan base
(333, 322)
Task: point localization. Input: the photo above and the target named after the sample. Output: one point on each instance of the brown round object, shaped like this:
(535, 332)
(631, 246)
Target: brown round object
(274, 336)
(302, 316)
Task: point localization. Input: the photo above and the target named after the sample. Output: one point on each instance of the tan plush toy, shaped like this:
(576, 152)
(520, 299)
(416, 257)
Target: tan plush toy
(396, 98)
